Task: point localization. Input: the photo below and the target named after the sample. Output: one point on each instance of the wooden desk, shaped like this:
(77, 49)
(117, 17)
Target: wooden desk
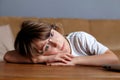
(10, 71)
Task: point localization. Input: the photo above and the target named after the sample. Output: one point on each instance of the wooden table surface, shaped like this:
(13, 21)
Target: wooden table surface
(9, 71)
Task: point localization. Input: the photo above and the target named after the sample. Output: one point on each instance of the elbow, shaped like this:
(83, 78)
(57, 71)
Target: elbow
(112, 57)
(6, 57)
(115, 60)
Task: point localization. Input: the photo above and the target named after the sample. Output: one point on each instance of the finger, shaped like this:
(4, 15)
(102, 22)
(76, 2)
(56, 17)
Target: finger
(62, 60)
(65, 57)
(56, 64)
(60, 64)
(69, 55)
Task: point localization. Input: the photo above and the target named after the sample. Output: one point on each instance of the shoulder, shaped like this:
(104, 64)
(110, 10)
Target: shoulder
(80, 34)
(81, 37)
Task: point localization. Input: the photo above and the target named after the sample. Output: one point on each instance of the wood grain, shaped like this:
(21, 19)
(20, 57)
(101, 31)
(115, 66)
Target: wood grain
(9, 71)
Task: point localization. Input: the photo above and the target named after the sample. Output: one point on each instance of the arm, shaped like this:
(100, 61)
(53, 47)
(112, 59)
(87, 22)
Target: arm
(96, 49)
(96, 60)
(60, 57)
(15, 57)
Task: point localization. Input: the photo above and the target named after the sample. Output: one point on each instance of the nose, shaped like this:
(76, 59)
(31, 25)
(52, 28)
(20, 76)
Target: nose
(53, 43)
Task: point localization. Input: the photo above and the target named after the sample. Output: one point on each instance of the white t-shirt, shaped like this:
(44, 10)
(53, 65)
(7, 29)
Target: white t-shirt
(83, 44)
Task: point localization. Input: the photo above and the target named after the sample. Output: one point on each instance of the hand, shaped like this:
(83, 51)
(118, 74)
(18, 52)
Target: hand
(60, 57)
(69, 63)
(38, 59)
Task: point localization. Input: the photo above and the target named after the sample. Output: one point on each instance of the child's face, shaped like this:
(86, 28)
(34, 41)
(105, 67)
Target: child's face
(54, 44)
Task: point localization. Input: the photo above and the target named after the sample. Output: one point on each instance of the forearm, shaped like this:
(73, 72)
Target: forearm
(14, 57)
(97, 60)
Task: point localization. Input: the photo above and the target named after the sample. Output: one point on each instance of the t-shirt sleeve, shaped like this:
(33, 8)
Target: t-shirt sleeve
(90, 44)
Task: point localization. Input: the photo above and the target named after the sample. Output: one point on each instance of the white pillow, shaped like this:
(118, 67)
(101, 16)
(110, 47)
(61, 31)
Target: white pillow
(6, 40)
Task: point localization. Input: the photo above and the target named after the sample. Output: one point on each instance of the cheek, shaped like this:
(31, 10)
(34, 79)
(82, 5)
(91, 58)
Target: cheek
(51, 52)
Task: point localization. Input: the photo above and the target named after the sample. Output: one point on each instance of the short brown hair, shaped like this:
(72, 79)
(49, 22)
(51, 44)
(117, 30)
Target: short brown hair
(31, 30)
